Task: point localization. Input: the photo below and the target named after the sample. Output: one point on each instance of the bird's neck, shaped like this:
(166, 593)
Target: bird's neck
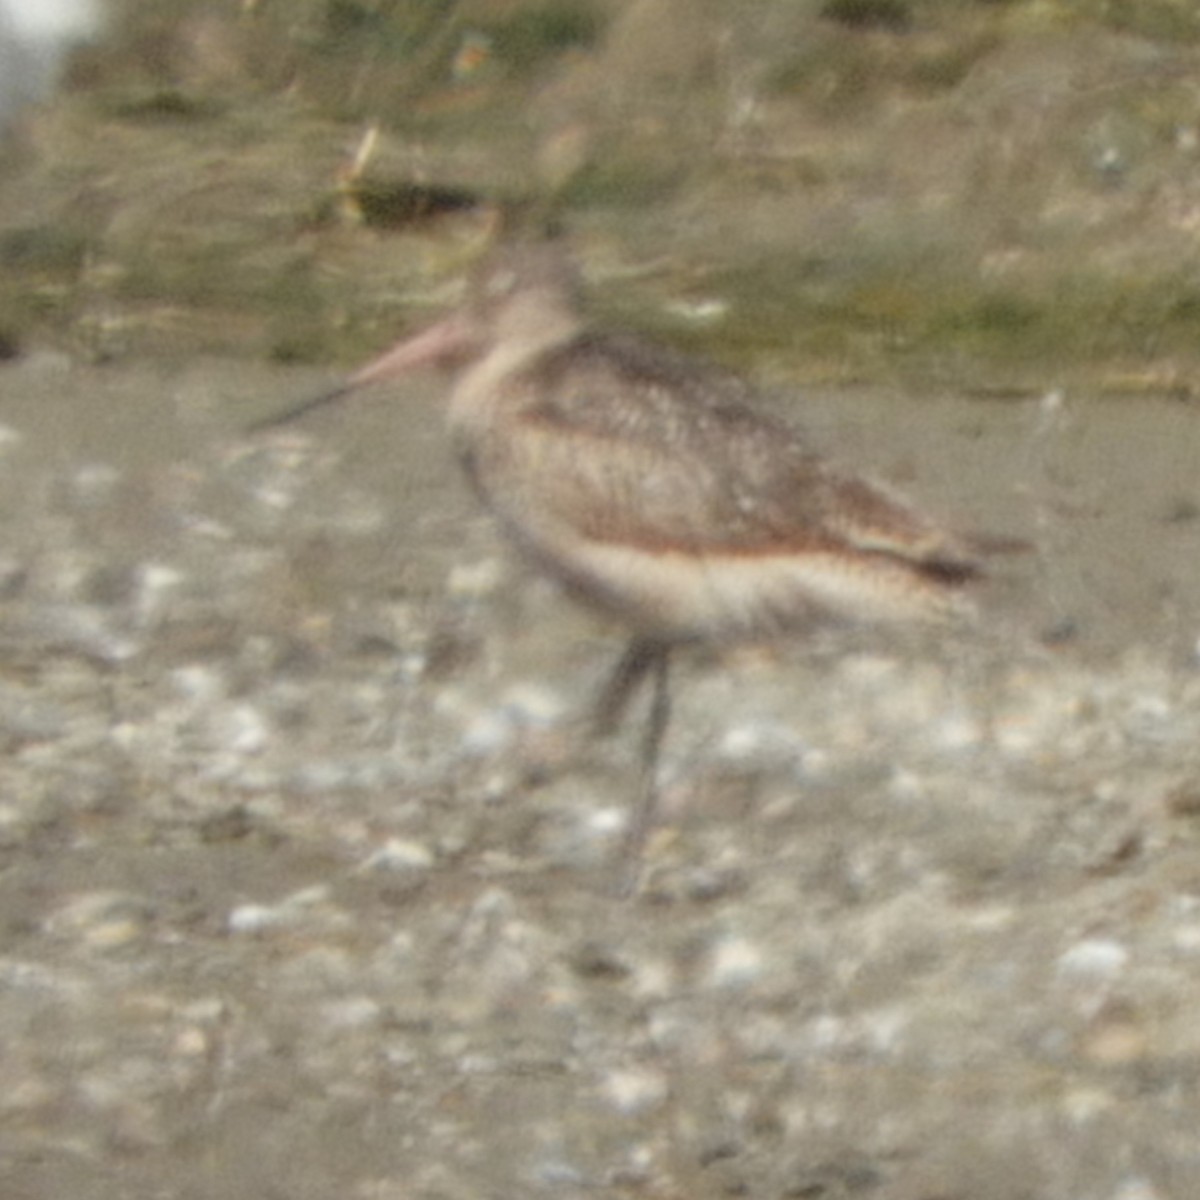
(483, 388)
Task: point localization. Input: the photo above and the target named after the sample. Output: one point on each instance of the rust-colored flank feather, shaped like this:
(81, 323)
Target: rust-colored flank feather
(657, 488)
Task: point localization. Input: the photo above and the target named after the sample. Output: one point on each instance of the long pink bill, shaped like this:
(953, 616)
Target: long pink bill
(441, 345)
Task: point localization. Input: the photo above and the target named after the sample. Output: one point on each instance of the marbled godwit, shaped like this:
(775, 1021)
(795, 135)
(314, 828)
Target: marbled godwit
(656, 490)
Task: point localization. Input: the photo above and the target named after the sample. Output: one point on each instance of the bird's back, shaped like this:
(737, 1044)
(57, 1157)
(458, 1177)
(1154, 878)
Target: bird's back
(661, 489)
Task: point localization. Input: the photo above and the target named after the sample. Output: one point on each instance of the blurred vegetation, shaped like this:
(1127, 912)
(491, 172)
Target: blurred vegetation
(996, 190)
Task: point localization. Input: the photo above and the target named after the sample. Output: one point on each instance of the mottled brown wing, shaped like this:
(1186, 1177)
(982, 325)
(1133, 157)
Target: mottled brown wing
(631, 446)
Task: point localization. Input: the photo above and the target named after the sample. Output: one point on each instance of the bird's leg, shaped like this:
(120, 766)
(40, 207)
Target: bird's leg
(657, 660)
(641, 658)
(599, 720)
(632, 667)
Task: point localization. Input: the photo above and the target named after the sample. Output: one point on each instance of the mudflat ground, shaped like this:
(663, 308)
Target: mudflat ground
(305, 891)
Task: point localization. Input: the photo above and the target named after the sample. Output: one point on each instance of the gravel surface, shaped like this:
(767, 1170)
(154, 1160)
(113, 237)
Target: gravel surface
(305, 876)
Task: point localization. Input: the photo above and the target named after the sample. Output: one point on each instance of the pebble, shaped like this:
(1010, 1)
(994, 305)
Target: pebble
(102, 920)
(735, 962)
(635, 1091)
(398, 854)
(157, 584)
(351, 1012)
(1138, 1189)
(298, 907)
(395, 923)
(1093, 960)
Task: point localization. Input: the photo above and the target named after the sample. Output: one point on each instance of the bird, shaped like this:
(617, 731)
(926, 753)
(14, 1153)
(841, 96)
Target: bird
(659, 489)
